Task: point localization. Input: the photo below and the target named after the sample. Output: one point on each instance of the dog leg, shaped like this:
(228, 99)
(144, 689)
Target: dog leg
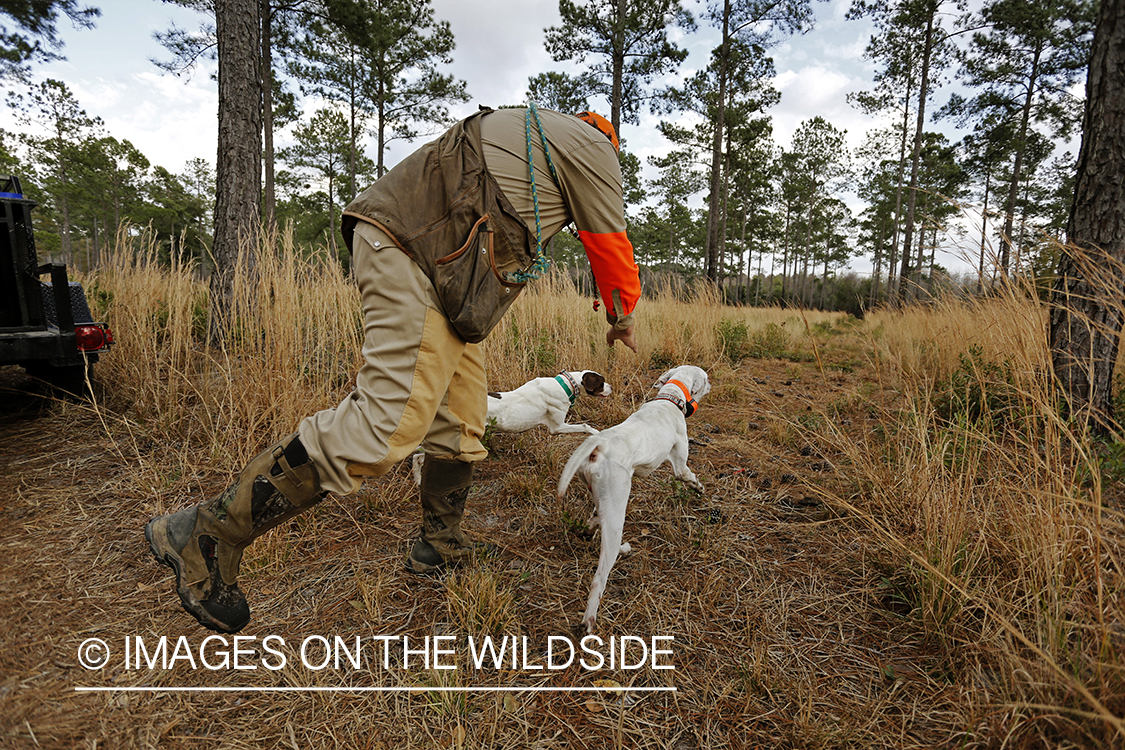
(556, 426)
(573, 428)
(678, 459)
(626, 548)
(611, 513)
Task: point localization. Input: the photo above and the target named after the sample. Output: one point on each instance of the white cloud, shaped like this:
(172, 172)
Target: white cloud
(816, 90)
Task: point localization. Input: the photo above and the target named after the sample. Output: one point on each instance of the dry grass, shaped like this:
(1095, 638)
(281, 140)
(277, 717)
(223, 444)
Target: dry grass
(1009, 524)
(869, 568)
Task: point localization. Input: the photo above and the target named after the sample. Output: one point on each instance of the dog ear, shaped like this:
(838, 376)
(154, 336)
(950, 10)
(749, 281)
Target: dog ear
(706, 388)
(663, 379)
(703, 383)
(593, 382)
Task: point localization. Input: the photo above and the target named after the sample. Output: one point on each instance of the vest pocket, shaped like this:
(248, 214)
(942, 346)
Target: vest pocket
(471, 288)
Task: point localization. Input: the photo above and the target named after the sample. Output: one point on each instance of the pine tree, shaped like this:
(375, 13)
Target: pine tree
(749, 27)
(321, 156)
(52, 109)
(1086, 308)
(673, 220)
(629, 41)
(1031, 53)
(401, 49)
(32, 36)
(820, 168)
(239, 163)
(561, 92)
(917, 29)
(328, 64)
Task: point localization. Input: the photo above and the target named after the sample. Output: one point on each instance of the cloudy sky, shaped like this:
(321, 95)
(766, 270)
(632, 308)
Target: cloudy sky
(500, 44)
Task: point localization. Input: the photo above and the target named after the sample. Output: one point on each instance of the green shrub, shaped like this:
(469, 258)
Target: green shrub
(978, 391)
(769, 342)
(733, 339)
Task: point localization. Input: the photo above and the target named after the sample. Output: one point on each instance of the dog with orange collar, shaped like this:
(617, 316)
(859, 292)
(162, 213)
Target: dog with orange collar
(655, 433)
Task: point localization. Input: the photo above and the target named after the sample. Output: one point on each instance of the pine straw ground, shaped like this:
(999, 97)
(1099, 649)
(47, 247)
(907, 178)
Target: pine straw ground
(785, 632)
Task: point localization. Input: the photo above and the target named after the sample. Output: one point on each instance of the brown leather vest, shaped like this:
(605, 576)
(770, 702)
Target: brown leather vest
(444, 210)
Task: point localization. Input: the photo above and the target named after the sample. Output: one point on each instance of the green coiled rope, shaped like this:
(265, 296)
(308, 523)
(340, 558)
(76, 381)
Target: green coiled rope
(539, 265)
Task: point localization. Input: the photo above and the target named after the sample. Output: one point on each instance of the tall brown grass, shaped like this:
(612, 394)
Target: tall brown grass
(1010, 542)
(1004, 537)
(292, 342)
(291, 345)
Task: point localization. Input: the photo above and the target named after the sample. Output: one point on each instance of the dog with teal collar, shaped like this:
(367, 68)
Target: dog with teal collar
(542, 401)
(545, 401)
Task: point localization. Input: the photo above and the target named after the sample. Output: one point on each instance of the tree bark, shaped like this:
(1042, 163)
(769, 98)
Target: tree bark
(1088, 300)
(618, 67)
(353, 136)
(239, 160)
(984, 228)
(269, 201)
(893, 260)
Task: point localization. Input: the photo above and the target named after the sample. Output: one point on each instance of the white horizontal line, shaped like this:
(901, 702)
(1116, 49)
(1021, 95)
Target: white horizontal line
(148, 689)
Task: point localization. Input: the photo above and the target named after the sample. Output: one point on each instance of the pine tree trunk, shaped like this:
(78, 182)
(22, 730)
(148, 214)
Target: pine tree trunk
(353, 136)
(785, 254)
(923, 91)
(714, 206)
(1017, 166)
(897, 230)
(824, 283)
(984, 229)
(721, 272)
(618, 63)
(268, 199)
(1088, 300)
(239, 160)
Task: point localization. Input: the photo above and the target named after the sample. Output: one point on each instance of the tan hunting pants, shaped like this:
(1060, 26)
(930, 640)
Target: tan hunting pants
(420, 383)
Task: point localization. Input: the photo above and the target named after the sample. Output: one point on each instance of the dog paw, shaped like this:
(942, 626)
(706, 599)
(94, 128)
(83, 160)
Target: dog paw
(626, 548)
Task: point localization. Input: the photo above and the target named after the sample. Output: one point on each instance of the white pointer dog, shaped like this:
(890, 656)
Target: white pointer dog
(542, 401)
(655, 433)
(545, 401)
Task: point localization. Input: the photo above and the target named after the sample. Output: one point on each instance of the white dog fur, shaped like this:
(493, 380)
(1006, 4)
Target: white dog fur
(542, 401)
(655, 433)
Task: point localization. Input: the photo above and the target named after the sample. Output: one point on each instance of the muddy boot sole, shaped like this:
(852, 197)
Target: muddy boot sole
(234, 619)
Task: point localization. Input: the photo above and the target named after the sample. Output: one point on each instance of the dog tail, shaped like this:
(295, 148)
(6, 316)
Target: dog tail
(586, 452)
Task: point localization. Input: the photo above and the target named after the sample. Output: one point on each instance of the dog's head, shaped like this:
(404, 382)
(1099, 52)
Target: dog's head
(594, 384)
(694, 378)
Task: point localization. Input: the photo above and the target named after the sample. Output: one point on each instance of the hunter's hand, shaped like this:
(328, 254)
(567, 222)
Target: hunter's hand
(625, 337)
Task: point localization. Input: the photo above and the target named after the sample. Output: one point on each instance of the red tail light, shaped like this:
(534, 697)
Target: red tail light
(92, 338)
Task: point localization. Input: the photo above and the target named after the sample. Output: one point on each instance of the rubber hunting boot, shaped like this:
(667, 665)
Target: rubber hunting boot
(444, 489)
(203, 544)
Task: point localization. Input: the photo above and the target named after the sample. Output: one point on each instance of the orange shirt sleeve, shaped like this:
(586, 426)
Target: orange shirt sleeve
(611, 260)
